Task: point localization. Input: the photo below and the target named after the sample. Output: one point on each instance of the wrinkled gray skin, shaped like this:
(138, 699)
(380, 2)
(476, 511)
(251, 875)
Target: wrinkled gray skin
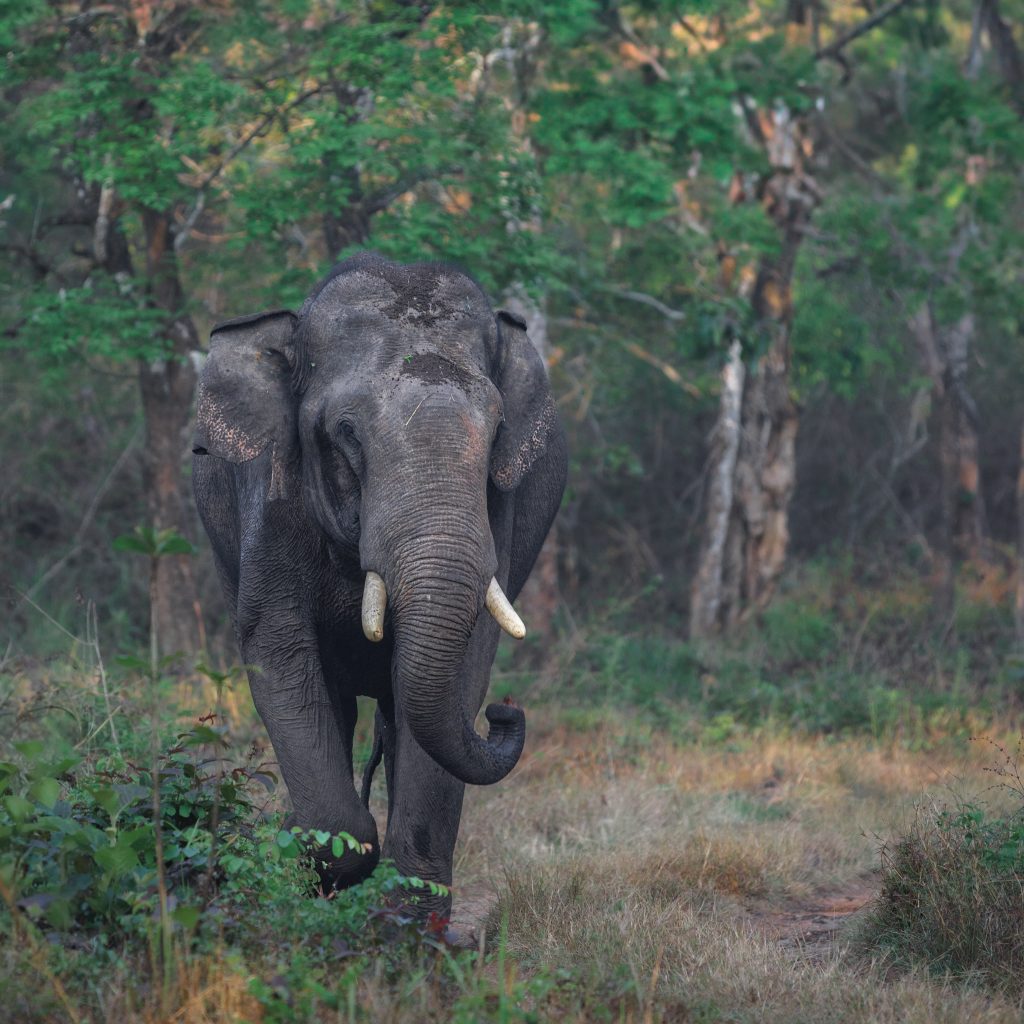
(395, 425)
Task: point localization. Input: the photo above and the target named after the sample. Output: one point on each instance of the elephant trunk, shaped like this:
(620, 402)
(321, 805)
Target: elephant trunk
(436, 598)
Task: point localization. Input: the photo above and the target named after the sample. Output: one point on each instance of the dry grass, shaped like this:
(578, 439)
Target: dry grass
(652, 874)
(952, 895)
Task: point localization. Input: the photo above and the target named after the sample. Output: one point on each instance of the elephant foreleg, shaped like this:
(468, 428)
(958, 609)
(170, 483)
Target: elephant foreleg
(425, 805)
(312, 738)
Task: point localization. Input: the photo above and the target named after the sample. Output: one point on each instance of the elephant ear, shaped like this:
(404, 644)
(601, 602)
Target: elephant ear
(530, 414)
(245, 396)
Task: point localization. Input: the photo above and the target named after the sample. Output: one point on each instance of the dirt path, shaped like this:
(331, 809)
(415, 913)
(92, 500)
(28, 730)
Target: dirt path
(809, 928)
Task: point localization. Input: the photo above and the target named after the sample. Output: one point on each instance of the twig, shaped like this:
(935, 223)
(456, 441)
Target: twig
(683, 23)
(46, 615)
(242, 145)
(626, 29)
(416, 410)
(92, 634)
(666, 368)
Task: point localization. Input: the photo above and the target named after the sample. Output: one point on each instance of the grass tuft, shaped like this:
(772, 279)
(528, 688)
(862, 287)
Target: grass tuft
(952, 897)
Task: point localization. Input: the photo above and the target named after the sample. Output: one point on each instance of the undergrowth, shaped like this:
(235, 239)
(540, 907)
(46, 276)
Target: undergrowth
(952, 895)
(827, 657)
(105, 865)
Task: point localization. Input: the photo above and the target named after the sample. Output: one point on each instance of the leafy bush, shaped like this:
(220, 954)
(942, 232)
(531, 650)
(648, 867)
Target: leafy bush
(101, 853)
(952, 894)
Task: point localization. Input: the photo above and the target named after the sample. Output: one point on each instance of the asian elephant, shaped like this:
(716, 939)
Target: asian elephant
(375, 474)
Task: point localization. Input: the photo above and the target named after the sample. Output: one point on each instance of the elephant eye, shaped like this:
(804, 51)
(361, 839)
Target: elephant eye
(277, 356)
(347, 431)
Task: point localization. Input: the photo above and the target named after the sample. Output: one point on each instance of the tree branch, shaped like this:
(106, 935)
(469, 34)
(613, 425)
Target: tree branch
(834, 48)
(648, 300)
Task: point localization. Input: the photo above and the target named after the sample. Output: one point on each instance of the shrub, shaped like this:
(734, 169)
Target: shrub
(107, 853)
(952, 893)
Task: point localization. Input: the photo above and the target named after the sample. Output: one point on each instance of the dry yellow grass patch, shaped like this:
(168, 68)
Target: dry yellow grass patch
(651, 871)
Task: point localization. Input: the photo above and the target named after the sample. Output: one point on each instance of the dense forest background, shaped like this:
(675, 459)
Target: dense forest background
(770, 252)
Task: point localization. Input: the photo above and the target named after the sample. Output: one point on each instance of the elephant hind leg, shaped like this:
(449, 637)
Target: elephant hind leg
(376, 756)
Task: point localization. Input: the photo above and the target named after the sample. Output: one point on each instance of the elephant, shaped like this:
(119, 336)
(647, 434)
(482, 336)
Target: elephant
(377, 474)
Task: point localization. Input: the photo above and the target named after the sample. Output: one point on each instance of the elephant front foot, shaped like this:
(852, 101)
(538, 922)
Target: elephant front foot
(354, 865)
(422, 905)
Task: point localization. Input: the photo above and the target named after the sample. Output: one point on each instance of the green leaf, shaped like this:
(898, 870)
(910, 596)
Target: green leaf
(187, 916)
(18, 807)
(107, 798)
(118, 859)
(46, 791)
(139, 543)
(201, 734)
(30, 749)
(176, 545)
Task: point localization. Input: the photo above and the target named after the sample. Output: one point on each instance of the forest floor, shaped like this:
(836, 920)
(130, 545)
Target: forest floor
(628, 870)
(710, 881)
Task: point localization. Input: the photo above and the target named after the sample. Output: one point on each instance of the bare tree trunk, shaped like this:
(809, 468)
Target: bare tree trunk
(944, 352)
(167, 388)
(764, 475)
(765, 479)
(1007, 52)
(706, 594)
(969, 523)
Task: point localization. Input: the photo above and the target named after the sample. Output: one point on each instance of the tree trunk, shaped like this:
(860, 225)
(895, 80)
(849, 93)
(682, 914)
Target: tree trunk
(944, 352)
(167, 388)
(765, 479)
(706, 594)
(764, 474)
(348, 222)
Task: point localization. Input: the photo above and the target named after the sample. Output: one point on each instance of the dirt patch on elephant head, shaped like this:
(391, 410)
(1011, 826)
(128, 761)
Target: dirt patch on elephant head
(431, 368)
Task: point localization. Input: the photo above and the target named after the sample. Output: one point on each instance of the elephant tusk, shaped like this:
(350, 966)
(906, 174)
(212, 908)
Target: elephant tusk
(504, 614)
(375, 600)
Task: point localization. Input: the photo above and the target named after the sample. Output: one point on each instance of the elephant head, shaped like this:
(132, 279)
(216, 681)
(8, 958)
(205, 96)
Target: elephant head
(399, 410)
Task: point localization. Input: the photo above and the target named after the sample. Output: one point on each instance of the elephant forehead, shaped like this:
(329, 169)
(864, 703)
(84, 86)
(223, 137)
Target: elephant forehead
(421, 296)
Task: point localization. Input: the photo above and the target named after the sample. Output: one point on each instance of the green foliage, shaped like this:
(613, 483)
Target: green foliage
(79, 851)
(951, 891)
(148, 540)
(827, 657)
